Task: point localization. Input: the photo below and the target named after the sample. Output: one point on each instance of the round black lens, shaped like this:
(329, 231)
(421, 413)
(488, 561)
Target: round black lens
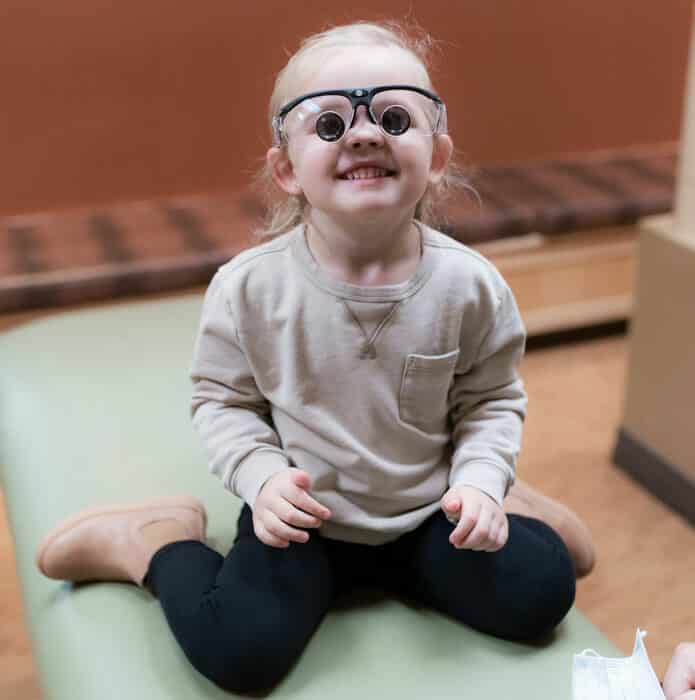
(395, 120)
(330, 126)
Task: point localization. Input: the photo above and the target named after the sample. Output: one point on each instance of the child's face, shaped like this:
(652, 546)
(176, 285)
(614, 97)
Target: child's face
(367, 173)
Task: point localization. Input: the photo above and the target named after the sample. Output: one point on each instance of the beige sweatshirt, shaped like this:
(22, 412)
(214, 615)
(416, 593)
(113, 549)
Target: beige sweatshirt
(385, 395)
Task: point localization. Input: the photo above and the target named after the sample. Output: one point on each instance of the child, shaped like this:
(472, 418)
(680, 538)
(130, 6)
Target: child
(355, 383)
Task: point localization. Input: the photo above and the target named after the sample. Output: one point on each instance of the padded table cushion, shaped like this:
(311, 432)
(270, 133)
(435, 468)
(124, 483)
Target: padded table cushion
(94, 409)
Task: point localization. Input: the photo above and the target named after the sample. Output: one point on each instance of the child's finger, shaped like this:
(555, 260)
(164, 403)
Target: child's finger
(301, 499)
(492, 543)
(300, 479)
(451, 503)
(465, 526)
(268, 538)
(479, 536)
(503, 534)
(499, 531)
(294, 516)
(282, 530)
(502, 531)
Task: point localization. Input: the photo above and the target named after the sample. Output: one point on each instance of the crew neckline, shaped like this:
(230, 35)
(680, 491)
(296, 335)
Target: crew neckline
(355, 292)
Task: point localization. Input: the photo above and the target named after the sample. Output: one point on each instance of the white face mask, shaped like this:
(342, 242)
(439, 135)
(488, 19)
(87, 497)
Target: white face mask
(595, 677)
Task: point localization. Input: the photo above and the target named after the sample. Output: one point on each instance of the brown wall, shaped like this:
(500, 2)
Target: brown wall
(106, 100)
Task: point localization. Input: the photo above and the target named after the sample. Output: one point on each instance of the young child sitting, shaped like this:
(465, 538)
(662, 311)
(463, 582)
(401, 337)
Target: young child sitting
(355, 382)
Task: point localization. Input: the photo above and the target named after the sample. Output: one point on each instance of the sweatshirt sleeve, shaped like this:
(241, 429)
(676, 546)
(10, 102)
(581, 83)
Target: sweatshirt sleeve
(229, 413)
(488, 406)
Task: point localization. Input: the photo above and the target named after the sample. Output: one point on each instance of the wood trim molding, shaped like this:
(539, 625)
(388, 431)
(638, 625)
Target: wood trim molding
(685, 185)
(659, 476)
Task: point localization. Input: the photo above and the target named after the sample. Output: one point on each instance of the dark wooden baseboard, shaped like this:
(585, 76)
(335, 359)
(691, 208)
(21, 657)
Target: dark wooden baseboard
(659, 476)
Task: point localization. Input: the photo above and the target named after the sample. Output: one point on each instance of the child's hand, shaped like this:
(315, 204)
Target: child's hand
(679, 681)
(482, 524)
(283, 501)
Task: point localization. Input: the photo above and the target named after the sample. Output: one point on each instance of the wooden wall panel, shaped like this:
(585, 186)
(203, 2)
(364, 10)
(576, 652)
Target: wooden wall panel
(104, 101)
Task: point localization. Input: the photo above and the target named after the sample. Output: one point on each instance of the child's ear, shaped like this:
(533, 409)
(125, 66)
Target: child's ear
(442, 149)
(282, 170)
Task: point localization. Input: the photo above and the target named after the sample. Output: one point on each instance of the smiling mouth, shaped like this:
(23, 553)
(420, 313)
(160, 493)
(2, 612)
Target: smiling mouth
(367, 174)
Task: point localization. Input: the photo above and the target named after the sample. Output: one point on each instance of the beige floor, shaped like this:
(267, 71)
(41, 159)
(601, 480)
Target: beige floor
(646, 554)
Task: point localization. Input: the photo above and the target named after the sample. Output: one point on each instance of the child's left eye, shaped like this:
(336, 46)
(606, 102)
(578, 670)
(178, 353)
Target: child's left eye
(396, 120)
(421, 110)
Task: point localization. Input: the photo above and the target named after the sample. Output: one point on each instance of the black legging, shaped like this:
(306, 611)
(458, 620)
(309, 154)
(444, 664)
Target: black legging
(243, 620)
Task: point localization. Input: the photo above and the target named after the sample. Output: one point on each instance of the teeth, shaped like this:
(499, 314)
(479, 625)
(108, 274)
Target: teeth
(364, 173)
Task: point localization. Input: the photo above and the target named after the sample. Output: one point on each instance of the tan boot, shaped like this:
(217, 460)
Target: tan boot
(107, 543)
(524, 500)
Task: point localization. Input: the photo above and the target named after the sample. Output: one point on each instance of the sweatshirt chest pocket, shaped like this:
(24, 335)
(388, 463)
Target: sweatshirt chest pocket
(425, 384)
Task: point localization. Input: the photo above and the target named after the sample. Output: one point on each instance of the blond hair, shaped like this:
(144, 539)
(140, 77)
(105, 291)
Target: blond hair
(287, 211)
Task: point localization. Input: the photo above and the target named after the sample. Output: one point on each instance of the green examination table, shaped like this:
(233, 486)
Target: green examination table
(94, 408)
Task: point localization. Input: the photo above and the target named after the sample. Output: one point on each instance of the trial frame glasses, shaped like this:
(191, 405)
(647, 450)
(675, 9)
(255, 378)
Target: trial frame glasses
(334, 127)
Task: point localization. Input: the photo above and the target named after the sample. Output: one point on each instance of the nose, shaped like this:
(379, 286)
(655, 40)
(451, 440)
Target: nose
(363, 131)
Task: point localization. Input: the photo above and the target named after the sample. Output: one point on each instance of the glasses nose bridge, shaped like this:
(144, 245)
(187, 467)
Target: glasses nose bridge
(361, 99)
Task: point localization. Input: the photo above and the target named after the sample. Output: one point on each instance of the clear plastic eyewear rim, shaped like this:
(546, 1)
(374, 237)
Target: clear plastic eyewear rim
(358, 97)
